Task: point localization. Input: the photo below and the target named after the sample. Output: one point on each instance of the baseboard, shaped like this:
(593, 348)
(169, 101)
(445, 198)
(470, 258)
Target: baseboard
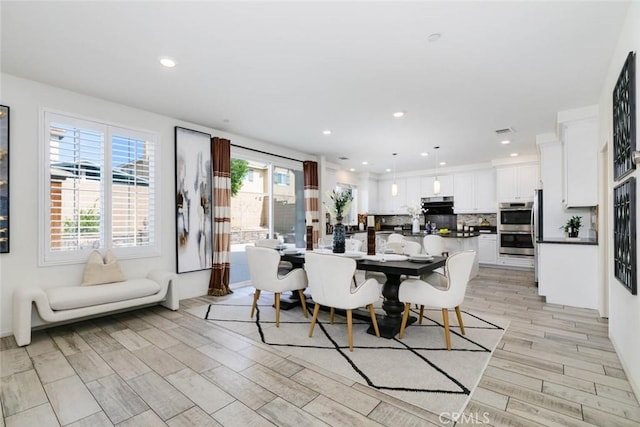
(634, 385)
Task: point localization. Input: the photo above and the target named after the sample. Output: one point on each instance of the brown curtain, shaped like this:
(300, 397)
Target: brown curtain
(221, 154)
(311, 196)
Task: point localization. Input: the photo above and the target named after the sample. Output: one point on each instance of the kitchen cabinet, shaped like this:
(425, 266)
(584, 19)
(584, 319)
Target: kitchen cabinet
(413, 191)
(488, 249)
(446, 185)
(516, 183)
(580, 158)
(475, 192)
(388, 204)
(568, 274)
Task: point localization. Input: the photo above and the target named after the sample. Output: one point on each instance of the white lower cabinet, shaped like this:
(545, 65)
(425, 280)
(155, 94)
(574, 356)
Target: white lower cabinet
(488, 249)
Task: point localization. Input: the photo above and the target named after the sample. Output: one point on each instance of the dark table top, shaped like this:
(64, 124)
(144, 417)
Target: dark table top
(388, 267)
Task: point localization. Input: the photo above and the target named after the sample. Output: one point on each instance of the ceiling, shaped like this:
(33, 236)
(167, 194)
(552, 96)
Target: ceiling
(283, 72)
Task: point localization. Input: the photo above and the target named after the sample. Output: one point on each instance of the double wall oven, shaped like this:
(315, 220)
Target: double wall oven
(516, 229)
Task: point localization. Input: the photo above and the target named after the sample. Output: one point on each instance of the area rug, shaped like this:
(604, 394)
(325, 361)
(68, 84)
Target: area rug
(417, 369)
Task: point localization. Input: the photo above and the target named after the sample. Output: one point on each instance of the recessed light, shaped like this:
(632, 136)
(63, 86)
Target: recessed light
(352, 169)
(443, 163)
(505, 142)
(387, 170)
(514, 154)
(399, 114)
(365, 163)
(167, 62)
(434, 37)
(326, 132)
(425, 154)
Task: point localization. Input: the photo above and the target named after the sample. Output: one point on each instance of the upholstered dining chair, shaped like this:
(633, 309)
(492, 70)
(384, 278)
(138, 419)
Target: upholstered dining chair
(405, 247)
(434, 244)
(416, 291)
(284, 266)
(395, 237)
(329, 279)
(263, 269)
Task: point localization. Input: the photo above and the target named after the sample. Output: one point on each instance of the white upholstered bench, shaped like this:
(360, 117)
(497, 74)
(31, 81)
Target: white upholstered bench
(74, 302)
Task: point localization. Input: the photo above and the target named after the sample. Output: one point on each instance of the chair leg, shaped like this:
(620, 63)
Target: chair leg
(445, 321)
(316, 310)
(460, 319)
(421, 314)
(405, 317)
(350, 330)
(332, 312)
(374, 321)
(277, 296)
(255, 301)
(354, 281)
(303, 301)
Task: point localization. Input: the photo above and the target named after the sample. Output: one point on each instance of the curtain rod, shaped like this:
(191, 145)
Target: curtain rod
(264, 152)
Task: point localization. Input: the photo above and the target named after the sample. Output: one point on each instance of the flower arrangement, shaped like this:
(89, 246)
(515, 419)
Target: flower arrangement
(414, 210)
(340, 202)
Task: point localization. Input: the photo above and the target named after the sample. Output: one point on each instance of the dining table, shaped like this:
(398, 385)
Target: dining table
(394, 268)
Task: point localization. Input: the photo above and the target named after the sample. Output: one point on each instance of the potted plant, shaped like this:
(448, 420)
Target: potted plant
(572, 227)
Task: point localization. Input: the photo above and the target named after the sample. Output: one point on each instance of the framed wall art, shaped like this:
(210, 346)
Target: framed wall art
(624, 234)
(4, 179)
(624, 119)
(194, 200)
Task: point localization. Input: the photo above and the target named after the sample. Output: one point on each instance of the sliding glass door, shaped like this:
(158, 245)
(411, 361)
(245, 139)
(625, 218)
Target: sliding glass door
(267, 202)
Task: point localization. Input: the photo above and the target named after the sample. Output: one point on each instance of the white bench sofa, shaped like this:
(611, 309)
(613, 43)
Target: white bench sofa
(75, 302)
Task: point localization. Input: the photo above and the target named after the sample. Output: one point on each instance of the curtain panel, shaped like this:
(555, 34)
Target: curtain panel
(221, 153)
(311, 196)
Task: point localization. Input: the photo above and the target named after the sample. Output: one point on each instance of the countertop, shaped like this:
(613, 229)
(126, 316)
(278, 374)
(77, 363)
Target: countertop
(569, 241)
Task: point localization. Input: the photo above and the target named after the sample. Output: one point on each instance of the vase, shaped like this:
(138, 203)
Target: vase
(339, 236)
(415, 226)
(573, 232)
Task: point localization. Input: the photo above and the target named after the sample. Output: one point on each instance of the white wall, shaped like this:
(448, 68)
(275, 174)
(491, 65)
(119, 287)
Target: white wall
(624, 309)
(20, 266)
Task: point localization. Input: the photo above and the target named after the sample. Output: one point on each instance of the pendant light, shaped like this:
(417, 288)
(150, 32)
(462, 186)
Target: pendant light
(436, 182)
(394, 186)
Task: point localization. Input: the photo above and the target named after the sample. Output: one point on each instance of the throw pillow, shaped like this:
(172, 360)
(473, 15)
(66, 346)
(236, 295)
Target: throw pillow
(99, 272)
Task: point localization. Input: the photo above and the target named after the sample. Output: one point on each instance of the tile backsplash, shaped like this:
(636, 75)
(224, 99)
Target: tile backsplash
(476, 219)
(467, 219)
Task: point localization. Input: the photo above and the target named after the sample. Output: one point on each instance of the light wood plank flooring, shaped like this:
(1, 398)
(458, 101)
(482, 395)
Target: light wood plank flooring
(555, 367)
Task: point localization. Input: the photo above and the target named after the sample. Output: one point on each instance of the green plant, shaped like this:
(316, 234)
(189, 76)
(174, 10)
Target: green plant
(239, 169)
(574, 223)
(88, 222)
(340, 202)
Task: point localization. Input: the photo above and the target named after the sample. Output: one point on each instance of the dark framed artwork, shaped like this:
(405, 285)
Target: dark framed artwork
(624, 119)
(624, 234)
(4, 179)
(194, 196)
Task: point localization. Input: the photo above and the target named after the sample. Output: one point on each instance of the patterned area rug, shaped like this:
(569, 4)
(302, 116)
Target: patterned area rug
(417, 369)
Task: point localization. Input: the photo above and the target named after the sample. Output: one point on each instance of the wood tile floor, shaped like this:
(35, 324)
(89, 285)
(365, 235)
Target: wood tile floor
(555, 367)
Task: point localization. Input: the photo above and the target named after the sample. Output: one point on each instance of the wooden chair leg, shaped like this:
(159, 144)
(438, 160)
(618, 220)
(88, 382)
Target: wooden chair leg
(350, 330)
(277, 296)
(445, 321)
(421, 314)
(316, 310)
(374, 320)
(460, 319)
(256, 295)
(405, 317)
(332, 312)
(303, 301)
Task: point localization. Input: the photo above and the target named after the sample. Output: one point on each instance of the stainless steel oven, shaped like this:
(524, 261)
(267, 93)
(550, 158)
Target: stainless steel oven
(515, 229)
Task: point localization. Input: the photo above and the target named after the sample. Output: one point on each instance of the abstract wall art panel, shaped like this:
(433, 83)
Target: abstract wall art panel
(624, 234)
(194, 196)
(624, 119)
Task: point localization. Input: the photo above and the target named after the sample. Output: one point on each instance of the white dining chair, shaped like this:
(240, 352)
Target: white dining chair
(395, 237)
(284, 266)
(263, 269)
(329, 278)
(416, 291)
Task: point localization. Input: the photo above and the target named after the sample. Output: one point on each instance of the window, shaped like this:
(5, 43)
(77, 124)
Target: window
(99, 190)
(281, 177)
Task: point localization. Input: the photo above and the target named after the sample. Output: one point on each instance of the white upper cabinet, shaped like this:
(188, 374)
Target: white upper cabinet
(388, 204)
(580, 157)
(516, 183)
(475, 192)
(446, 185)
(413, 190)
